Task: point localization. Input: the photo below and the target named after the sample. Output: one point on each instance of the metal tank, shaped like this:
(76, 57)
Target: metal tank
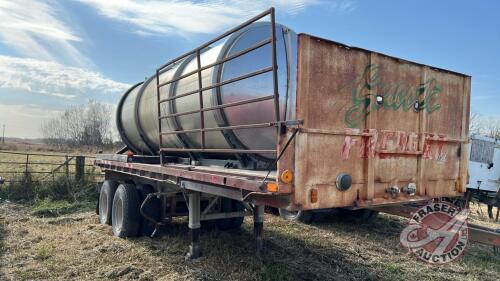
(137, 113)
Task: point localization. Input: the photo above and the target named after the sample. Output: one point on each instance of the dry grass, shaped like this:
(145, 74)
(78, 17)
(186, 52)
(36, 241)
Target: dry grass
(76, 247)
(58, 158)
(20, 145)
(37, 145)
(479, 215)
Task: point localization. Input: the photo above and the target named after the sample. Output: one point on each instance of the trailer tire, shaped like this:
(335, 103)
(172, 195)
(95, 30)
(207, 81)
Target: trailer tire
(306, 217)
(238, 221)
(126, 216)
(98, 191)
(226, 207)
(152, 209)
(106, 195)
(359, 216)
(229, 205)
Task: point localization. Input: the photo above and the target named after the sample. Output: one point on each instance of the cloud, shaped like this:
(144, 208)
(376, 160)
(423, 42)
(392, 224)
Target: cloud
(345, 6)
(34, 28)
(181, 16)
(52, 78)
(24, 120)
(32, 91)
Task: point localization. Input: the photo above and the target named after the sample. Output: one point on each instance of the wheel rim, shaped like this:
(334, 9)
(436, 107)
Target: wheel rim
(103, 206)
(290, 214)
(118, 214)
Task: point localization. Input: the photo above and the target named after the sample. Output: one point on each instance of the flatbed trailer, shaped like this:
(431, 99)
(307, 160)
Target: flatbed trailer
(366, 130)
(196, 184)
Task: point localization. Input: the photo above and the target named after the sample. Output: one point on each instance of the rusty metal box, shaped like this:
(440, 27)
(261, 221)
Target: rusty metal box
(389, 123)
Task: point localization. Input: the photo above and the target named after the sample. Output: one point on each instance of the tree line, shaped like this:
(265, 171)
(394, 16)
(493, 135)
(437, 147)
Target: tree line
(484, 125)
(83, 125)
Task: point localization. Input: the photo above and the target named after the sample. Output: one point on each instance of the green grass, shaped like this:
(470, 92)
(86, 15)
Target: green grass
(63, 195)
(50, 208)
(394, 268)
(44, 252)
(29, 275)
(276, 272)
(481, 258)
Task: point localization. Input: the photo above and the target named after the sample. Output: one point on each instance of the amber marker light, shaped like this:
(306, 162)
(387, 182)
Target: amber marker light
(286, 176)
(314, 195)
(272, 187)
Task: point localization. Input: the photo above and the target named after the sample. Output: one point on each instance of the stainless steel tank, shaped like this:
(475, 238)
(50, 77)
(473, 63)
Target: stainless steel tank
(137, 115)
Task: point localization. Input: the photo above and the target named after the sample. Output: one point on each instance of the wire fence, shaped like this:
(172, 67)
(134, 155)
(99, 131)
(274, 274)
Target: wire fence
(46, 167)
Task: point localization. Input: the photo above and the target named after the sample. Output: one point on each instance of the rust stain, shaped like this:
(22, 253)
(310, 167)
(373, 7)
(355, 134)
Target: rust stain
(346, 148)
(368, 144)
(388, 141)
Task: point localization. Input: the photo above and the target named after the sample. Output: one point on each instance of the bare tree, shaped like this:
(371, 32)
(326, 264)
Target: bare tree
(81, 125)
(492, 127)
(474, 123)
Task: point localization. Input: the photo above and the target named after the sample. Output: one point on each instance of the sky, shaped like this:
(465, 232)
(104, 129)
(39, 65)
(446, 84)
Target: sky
(58, 54)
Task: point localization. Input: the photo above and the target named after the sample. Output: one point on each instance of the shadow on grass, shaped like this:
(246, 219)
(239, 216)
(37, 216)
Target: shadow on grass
(330, 249)
(290, 253)
(478, 262)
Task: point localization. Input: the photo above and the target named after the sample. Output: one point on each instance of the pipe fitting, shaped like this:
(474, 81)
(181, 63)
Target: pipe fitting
(410, 189)
(393, 191)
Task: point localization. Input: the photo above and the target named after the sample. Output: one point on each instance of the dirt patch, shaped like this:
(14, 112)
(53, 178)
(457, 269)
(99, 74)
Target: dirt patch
(77, 247)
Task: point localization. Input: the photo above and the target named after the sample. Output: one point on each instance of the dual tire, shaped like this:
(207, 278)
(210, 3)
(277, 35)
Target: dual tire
(106, 196)
(126, 216)
(119, 206)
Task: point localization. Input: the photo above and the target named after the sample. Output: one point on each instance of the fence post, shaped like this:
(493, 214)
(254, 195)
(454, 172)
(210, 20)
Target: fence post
(80, 168)
(27, 162)
(66, 165)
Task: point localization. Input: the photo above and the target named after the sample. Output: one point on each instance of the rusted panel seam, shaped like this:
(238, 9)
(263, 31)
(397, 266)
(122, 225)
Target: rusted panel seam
(422, 127)
(462, 178)
(371, 123)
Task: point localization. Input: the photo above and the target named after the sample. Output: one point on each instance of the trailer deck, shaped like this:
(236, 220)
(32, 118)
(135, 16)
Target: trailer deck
(247, 180)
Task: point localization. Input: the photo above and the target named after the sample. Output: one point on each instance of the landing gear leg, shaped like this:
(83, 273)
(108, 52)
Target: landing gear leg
(258, 227)
(194, 226)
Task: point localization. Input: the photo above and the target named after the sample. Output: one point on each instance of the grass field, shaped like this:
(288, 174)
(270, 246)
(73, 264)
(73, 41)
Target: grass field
(57, 157)
(13, 165)
(47, 186)
(47, 238)
(75, 247)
